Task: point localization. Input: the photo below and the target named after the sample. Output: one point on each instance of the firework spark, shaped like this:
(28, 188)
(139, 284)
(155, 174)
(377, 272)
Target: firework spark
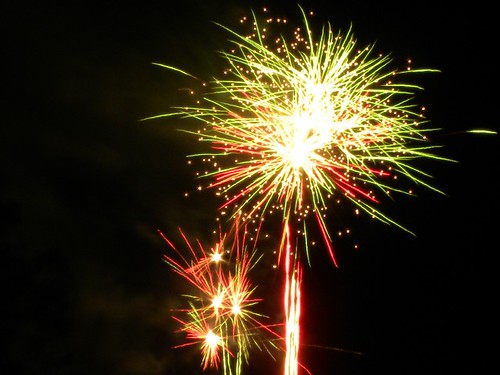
(297, 123)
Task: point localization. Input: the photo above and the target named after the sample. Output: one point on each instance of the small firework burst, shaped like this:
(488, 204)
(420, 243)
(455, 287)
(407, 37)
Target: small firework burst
(220, 316)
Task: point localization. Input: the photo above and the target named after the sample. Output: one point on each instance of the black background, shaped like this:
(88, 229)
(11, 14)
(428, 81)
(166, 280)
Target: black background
(85, 185)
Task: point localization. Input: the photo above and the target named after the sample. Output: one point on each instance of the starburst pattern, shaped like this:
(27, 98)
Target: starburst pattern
(297, 123)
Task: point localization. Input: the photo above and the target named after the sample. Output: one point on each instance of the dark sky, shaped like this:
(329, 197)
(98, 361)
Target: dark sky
(85, 185)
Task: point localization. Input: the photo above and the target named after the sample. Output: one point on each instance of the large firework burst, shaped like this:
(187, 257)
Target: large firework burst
(297, 122)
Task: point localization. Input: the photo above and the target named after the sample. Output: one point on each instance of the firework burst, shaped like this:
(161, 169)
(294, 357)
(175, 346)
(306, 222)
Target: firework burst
(220, 316)
(294, 124)
(297, 123)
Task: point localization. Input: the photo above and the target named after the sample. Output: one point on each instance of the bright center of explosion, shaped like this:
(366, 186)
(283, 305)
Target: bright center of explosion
(212, 339)
(310, 128)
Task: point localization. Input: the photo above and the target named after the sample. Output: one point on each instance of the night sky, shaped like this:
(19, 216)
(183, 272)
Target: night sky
(85, 186)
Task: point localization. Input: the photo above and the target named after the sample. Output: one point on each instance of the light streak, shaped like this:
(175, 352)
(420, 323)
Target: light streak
(291, 301)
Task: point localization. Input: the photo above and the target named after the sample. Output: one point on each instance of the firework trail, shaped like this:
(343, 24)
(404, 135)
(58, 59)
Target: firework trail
(220, 317)
(293, 279)
(294, 125)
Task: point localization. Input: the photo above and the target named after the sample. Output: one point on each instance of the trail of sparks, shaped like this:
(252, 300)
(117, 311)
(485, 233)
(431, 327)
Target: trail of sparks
(220, 317)
(292, 309)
